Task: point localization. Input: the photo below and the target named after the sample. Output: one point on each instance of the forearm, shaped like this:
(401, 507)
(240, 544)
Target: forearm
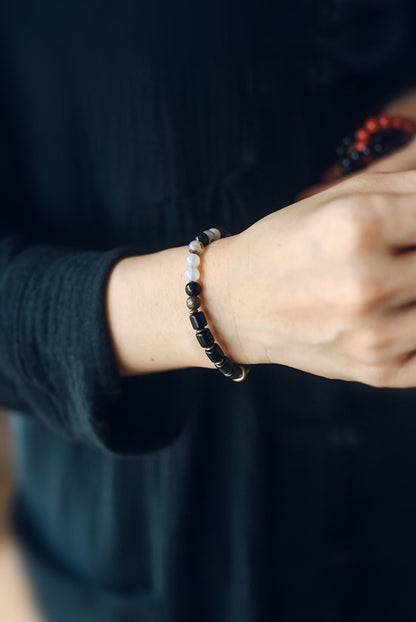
(147, 314)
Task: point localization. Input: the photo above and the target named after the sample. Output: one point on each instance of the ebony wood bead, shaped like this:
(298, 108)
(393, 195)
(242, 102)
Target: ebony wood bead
(193, 288)
(215, 354)
(203, 238)
(198, 320)
(226, 367)
(193, 303)
(205, 338)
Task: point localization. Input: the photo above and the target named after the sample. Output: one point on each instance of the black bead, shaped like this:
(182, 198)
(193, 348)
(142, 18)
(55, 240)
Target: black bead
(354, 155)
(346, 164)
(226, 367)
(215, 354)
(198, 320)
(205, 338)
(203, 238)
(237, 373)
(193, 288)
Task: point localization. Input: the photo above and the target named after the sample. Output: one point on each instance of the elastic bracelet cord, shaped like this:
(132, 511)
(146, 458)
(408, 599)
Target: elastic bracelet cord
(193, 288)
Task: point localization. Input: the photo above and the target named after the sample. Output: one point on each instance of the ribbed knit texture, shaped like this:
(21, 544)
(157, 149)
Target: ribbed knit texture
(126, 128)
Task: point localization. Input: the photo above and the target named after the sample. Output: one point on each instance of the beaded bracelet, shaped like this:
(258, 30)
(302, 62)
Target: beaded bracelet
(193, 288)
(376, 138)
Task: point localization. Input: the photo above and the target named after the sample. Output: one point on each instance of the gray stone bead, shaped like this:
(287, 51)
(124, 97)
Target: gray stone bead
(193, 303)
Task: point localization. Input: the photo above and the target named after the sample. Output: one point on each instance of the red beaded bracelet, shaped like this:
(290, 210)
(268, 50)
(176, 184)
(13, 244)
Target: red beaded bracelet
(377, 137)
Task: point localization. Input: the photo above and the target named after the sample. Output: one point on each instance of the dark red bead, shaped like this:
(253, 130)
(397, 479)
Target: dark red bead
(397, 123)
(362, 135)
(384, 121)
(408, 126)
(371, 125)
(360, 145)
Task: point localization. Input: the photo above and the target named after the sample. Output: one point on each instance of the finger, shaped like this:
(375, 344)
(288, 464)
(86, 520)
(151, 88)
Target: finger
(364, 182)
(400, 283)
(405, 375)
(403, 182)
(396, 215)
(404, 159)
(391, 339)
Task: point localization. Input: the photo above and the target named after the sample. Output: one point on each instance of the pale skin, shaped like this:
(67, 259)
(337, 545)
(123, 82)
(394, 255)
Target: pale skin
(326, 285)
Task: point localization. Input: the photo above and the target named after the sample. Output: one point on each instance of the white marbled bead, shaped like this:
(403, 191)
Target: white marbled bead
(195, 246)
(216, 232)
(192, 274)
(193, 260)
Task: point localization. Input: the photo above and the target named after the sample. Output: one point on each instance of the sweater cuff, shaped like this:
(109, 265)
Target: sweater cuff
(60, 358)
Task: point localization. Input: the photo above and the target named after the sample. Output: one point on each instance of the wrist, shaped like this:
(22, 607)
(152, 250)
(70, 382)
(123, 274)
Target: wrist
(221, 265)
(147, 319)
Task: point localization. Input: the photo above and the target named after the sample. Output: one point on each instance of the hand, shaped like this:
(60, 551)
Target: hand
(326, 285)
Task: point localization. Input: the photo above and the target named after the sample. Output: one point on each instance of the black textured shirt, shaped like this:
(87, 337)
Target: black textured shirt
(127, 127)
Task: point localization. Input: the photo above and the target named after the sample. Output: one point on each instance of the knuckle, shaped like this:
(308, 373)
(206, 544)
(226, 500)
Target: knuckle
(353, 224)
(365, 294)
(373, 346)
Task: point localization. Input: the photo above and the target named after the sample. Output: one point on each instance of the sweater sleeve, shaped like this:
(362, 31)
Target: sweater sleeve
(56, 356)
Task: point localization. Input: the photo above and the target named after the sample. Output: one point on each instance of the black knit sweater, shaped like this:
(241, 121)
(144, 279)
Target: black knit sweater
(127, 128)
